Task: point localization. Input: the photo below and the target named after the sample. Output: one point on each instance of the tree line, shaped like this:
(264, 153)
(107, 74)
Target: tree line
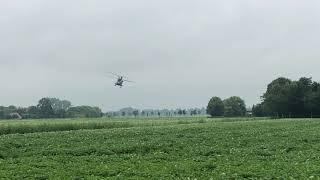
(132, 112)
(285, 98)
(50, 108)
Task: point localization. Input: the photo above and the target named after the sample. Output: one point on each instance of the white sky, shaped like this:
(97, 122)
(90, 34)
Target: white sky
(180, 53)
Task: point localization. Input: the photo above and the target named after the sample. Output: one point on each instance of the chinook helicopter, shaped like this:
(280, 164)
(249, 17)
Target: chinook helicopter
(120, 79)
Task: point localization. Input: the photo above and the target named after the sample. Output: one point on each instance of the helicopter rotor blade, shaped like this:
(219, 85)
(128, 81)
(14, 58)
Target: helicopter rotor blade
(114, 74)
(117, 75)
(129, 81)
(111, 77)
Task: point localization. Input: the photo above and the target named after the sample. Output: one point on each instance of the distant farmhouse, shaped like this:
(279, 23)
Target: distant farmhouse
(15, 116)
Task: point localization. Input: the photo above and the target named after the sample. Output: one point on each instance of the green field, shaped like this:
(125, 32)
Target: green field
(177, 148)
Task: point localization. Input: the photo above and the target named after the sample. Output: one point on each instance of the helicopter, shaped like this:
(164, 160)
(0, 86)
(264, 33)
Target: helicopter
(120, 79)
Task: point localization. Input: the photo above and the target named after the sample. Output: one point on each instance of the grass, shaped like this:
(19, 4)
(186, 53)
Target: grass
(163, 149)
(54, 125)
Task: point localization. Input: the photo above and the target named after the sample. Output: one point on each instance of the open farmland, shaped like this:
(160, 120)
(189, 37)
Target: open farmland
(160, 148)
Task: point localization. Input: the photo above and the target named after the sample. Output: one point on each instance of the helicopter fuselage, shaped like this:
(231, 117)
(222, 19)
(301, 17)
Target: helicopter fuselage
(119, 82)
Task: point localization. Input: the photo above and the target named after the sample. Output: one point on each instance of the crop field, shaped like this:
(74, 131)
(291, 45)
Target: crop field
(171, 148)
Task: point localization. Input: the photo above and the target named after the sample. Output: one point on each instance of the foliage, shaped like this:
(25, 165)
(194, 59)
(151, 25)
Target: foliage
(129, 112)
(258, 110)
(50, 108)
(84, 111)
(234, 107)
(6, 111)
(45, 108)
(215, 107)
(33, 112)
(286, 98)
(135, 113)
(57, 104)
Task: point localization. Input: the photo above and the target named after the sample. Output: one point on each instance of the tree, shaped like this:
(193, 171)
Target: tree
(184, 112)
(2, 115)
(12, 108)
(215, 107)
(33, 112)
(5, 112)
(84, 111)
(259, 110)
(128, 111)
(297, 97)
(276, 97)
(286, 98)
(135, 113)
(199, 111)
(60, 113)
(45, 108)
(58, 104)
(60, 107)
(193, 112)
(234, 106)
(313, 99)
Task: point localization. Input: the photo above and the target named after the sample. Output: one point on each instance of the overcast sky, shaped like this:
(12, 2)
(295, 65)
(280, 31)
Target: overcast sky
(180, 53)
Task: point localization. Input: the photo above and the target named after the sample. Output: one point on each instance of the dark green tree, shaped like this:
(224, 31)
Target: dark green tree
(193, 112)
(276, 97)
(135, 113)
(2, 114)
(58, 104)
(215, 107)
(184, 112)
(234, 106)
(6, 111)
(298, 103)
(45, 108)
(259, 110)
(286, 98)
(313, 99)
(84, 111)
(33, 112)
(60, 107)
